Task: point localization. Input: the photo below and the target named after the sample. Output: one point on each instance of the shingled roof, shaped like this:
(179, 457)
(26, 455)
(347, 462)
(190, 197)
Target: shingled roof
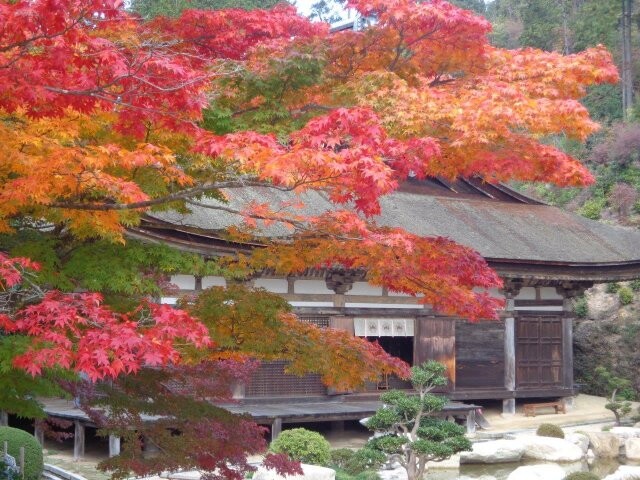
(503, 225)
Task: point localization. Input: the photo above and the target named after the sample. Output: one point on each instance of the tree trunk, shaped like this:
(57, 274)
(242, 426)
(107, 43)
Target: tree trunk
(627, 74)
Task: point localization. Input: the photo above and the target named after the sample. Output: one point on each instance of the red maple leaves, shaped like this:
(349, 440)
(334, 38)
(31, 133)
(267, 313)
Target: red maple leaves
(77, 332)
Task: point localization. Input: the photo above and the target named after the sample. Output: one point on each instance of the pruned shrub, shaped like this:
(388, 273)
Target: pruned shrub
(549, 430)
(16, 438)
(303, 445)
(635, 285)
(354, 462)
(625, 295)
(582, 476)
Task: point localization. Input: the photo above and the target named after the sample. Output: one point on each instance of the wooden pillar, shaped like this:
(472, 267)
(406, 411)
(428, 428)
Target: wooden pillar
(38, 432)
(4, 419)
(567, 352)
(509, 404)
(78, 441)
(511, 290)
(114, 446)
(276, 428)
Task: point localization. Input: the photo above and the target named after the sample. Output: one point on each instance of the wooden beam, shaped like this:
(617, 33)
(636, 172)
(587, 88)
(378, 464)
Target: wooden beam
(78, 441)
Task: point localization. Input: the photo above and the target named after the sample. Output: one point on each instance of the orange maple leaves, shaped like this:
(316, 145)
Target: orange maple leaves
(100, 120)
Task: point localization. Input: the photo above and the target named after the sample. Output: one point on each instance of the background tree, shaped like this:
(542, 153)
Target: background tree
(415, 434)
(173, 8)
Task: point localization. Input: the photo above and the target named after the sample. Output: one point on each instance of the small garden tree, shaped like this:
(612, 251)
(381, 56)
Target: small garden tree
(619, 387)
(415, 434)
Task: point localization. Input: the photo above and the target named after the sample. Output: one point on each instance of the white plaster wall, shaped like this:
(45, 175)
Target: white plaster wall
(527, 293)
(549, 293)
(184, 282)
(381, 305)
(168, 300)
(213, 282)
(311, 304)
(311, 286)
(363, 288)
(275, 285)
(397, 294)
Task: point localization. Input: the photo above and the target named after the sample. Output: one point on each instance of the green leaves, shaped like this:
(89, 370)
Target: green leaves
(429, 374)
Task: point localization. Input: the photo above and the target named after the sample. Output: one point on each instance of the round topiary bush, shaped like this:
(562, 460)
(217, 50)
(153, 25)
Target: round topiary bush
(16, 438)
(303, 445)
(549, 430)
(582, 476)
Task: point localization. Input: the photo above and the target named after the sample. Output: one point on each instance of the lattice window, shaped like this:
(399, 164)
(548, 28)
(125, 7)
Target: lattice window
(321, 321)
(270, 380)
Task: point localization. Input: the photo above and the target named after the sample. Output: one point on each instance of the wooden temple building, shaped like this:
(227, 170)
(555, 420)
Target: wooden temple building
(546, 257)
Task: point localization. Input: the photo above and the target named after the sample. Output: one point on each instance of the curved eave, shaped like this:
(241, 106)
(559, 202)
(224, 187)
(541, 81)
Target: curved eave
(590, 272)
(209, 245)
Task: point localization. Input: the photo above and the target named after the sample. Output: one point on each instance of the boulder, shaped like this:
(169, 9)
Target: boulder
(625, 432)
(579, 439)
(496, 451)
(311, 472)
(451, 463)
(624, 472)
(538, 472)
(550, 449)
(184, 476)
(632, 448)
(395, 474)
(604, 444)
(481, 477)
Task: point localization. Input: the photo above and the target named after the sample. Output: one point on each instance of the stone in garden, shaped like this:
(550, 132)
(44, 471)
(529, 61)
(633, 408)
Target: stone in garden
(184, 476)
(625, 432)
(496, 451)
(579, 439)
(451, 463)
(632, 448)
(538, 472)
(624, 472)
(604, 444)
(550, 449)
(395, 474)
(482, 477)
(311, 472)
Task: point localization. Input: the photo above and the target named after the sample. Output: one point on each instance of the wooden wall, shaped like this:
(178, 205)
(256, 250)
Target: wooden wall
(436, 340)
(479, 354)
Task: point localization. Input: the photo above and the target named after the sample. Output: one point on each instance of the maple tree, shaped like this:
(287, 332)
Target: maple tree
(104, 116)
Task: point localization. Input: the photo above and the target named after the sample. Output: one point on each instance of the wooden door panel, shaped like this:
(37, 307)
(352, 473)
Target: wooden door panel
(538, 351)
